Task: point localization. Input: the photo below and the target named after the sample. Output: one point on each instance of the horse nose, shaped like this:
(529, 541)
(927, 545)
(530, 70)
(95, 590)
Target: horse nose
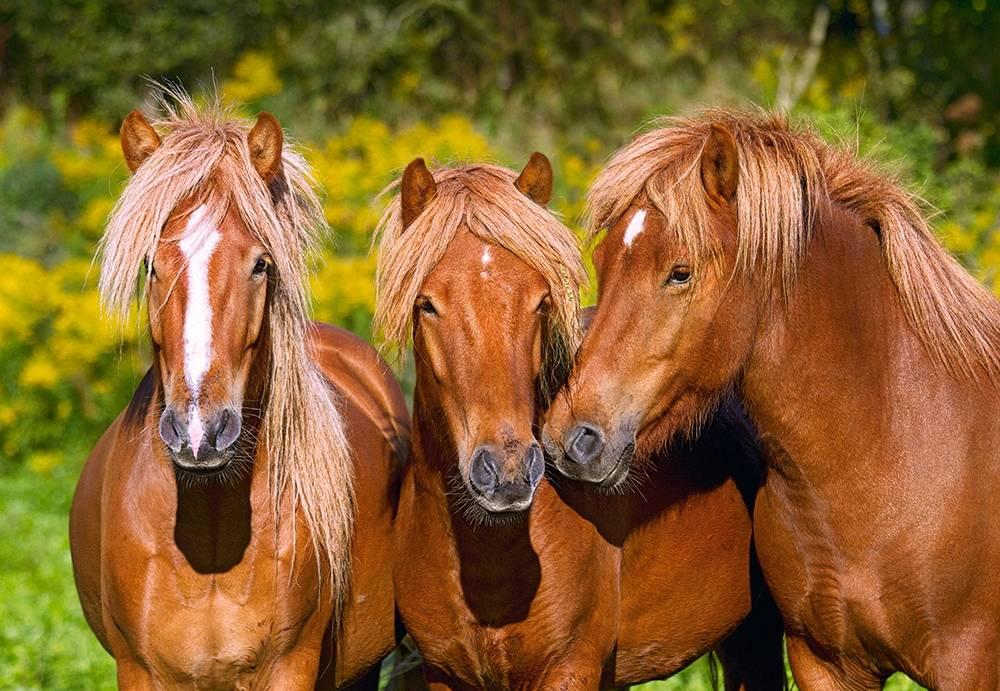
(534, 464)
(171, 431)
(584, 444)
(223, 429)
(485, 471)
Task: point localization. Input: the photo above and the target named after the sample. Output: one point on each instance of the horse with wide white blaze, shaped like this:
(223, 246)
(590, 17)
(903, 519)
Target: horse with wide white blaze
(232, 528)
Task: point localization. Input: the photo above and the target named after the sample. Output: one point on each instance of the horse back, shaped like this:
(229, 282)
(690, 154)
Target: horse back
(365, 380)
(378, 429)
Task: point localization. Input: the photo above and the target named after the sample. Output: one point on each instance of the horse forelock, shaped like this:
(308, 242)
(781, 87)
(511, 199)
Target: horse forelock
(204, 156)
(481, 198)
(789, 179)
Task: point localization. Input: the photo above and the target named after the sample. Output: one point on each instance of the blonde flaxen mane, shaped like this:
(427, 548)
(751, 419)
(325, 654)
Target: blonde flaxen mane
(204, 155)
(483, 199)
(789, 178)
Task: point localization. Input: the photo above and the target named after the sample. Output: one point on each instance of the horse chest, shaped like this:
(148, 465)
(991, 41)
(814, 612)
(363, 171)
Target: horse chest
(216, 641)
(511, 657)
(505, 628)
(208, 630)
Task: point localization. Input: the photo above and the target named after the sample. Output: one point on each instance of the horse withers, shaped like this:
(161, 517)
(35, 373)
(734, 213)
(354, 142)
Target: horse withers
(505, 578)
(233, 526)
(742, 254)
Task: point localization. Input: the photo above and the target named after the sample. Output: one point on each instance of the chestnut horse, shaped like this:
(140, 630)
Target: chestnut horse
(504, 579)
(233, 527)
(742, 254)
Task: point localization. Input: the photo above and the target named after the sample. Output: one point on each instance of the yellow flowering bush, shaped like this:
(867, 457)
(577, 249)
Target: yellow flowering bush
(343, 291)
(63, 369)
(353, 167)
(254, 77)
(66, 371)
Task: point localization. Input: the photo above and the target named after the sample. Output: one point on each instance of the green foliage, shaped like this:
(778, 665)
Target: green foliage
(44, 641)
(568, 69)
(368, 86)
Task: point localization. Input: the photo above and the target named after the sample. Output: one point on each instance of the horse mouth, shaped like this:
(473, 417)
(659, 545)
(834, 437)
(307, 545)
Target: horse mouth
(619, 471)
(502, 509)
(211, 469)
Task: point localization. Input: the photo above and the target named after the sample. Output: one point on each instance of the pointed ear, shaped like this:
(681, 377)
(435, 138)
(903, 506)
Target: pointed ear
(138, 138)
(720, 165)
(266, 141)
(416, 190)
(536, 179)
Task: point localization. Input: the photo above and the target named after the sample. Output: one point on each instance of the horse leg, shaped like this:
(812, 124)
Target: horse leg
(435, 678)
(570, 676)
(812, 673)
(753, 657)
(297, 669)
(368, 682)
(132, 676)
(973, 665)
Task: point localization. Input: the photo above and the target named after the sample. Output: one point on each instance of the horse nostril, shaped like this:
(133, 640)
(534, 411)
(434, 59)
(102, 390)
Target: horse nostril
(228, 429)
(170, 431)
(484, 473)
(534, 464)
(584, 444)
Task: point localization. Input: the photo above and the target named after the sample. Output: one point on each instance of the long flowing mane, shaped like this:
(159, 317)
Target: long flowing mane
(788, 179)
(483, 199)
(204, 154)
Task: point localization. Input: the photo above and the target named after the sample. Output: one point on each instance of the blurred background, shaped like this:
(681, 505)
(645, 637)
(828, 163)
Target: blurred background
(365, 87)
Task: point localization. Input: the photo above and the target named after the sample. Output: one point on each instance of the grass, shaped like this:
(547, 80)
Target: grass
(45, 642)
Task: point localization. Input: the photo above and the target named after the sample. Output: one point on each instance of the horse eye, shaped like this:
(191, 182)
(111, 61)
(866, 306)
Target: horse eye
(544, 305)
(679, 276)
(260, 267)
(425, 306)
(150, 269)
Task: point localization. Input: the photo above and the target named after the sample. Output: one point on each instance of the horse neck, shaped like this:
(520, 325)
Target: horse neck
(213, 521)
(498, 564)
(837, 376)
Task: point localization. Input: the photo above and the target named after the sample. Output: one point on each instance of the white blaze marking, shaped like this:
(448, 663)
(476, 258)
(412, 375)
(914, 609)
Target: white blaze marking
(195, 429)
(198, 244)
(486, 259)
(635, 227)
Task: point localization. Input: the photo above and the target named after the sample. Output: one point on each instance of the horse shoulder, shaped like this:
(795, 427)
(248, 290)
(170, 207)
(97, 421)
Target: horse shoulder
(364, 379)
(85, 521)
(378, 429)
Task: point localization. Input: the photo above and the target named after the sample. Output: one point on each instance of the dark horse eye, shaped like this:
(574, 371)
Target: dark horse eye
(150, 269)
(260, 267)
(679, 276)
(425, 306)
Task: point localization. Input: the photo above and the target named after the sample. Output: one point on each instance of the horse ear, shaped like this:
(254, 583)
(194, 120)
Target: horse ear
(266, 141)
(720, 166)
(138, 138)
(536, 179)
(416, 190)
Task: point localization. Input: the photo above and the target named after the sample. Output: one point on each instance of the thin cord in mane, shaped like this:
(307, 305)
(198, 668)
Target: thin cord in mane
(483, 199)
(788, 179)
(204, 155)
